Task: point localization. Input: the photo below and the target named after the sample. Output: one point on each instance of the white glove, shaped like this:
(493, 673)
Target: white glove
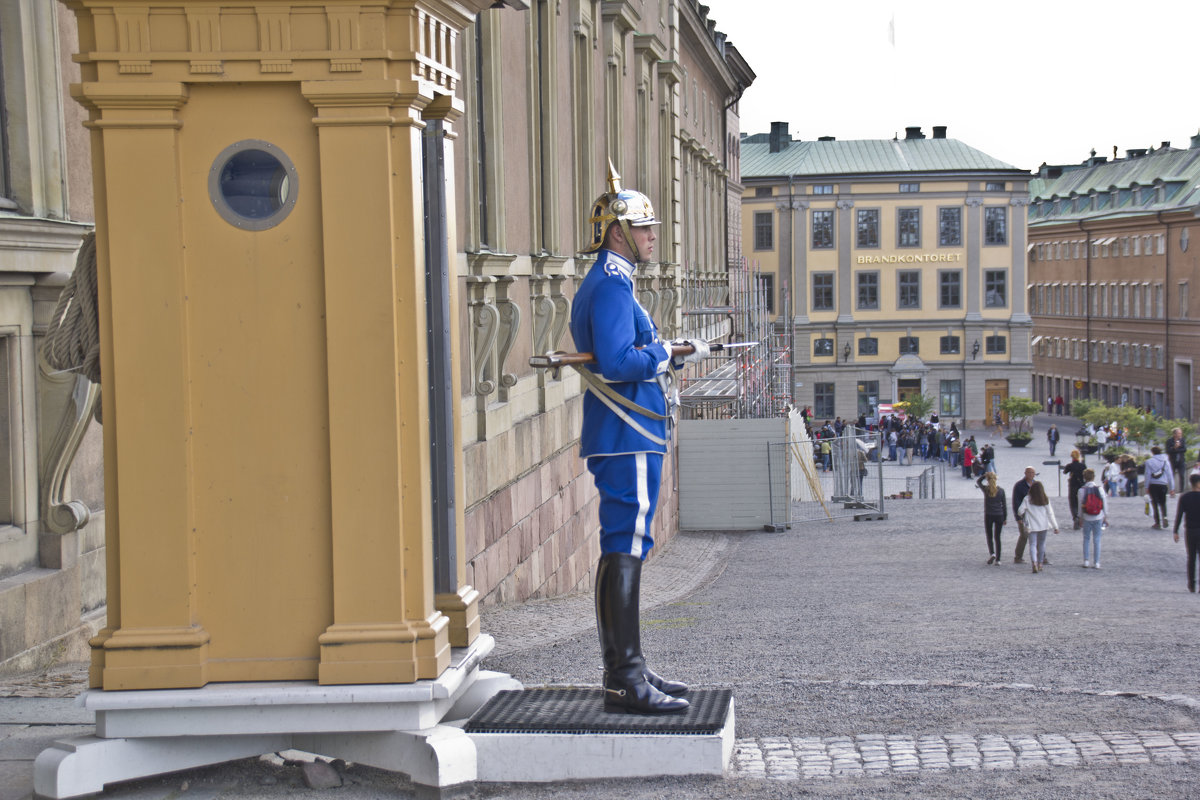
(700, 351)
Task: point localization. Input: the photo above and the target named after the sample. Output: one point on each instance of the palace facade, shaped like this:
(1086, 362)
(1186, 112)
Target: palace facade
(904, 261)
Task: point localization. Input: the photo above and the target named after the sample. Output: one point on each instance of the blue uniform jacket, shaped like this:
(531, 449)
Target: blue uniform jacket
(608, 321)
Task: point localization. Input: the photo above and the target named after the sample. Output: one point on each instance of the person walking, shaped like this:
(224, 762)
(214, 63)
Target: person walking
(1019, 491)
(1112, 477)
(1074, 472)
(995, 514)
(624, 437)
(1176, 452)
(1160, 479)
(1052, 438)
(1093, 505)
(1188, 510)
(968, 459)
(1039, 518)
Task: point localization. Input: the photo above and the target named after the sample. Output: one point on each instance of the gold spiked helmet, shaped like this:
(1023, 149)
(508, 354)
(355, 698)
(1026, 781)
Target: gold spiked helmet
(626, 207)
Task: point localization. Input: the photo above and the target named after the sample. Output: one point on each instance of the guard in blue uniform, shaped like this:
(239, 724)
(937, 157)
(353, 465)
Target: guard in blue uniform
(625, 434)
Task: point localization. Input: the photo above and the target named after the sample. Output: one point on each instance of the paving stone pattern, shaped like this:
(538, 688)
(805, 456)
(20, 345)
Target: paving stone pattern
(872, 754)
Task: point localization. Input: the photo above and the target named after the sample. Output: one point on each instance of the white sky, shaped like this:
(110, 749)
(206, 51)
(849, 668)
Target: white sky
(1025, 81)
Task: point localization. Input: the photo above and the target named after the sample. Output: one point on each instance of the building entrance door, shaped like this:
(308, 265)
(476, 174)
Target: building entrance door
(996, 392)
(1183, 390)
(907, 389)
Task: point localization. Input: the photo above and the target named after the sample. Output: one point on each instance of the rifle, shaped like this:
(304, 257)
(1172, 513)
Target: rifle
(557, 360)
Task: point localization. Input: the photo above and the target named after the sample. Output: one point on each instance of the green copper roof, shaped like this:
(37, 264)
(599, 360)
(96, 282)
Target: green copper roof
(865, 156)
(1165, 180)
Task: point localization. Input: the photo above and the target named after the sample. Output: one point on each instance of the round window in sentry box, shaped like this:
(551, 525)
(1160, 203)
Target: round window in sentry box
(253, 185)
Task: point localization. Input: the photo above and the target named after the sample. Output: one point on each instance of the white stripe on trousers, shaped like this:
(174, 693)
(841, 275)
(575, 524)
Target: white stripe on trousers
(643, 495)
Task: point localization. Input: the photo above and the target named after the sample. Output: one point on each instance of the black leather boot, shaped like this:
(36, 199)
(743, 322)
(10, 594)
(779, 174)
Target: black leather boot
(626, 684)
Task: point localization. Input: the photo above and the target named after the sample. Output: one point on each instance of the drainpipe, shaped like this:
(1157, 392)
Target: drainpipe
(1167, 398)
(725, 150)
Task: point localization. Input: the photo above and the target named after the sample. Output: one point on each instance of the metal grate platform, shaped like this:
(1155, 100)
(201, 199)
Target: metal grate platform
(581, 711)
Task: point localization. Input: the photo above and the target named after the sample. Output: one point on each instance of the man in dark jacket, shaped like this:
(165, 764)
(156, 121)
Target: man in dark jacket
(1019, 491)
(1176, 450)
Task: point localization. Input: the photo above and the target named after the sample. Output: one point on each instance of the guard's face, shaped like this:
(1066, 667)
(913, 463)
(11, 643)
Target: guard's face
(1029, 475)
(644, 238)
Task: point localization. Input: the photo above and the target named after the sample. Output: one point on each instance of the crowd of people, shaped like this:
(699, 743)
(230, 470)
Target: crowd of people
(1088, 494)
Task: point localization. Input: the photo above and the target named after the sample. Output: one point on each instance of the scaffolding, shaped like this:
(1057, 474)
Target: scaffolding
(746, 383)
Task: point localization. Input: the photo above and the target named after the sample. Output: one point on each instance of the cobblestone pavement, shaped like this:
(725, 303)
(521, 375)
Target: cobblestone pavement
(877, 754)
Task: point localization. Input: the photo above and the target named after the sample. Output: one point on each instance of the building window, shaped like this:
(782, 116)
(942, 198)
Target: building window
(995, 288)
(994, 187)
(823, 400)
(868, 396)
(908, 227)
(823, 188)
(868, 227)
(763, 191)
(949, 227)
(822, 230)
(1183, 300)
(908, 286)
(910, 345)
(997, 344)
(868, 290)
(764, 230)
(950, 288)
(951, 395)
(766, 282)
(822, 291)
(950, 345)
(995, 225)
(910, 187)
(822, 347)
(868, 346)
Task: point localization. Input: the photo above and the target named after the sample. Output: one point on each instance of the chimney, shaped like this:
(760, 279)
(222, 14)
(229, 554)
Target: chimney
(779, 137)
(826, 138)
(939, 131)
(913, 133)
(1136, 152)
(1165, 145)
(1195, 141)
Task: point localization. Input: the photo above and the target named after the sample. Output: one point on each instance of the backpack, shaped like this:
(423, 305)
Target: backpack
(1093, 503)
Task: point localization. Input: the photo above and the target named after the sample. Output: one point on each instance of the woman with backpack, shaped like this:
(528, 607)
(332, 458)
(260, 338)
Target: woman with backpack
(995, 514)
(1093, 506)
(1039, 517)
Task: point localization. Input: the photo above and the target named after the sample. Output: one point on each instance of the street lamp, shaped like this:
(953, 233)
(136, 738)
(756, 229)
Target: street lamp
(975, 350)
(846, 352)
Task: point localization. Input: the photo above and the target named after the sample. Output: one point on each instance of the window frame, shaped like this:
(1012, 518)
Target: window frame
(901, 275)
(944, 343)
(817, 351)
(865, 349)
(995, 235)
(902, 235)
(819, 291)
(943, 274)
(988, 276)
(826, 227)
(759, 227)
(862, 281)
(995, 344)
(873, 229)
(824, 399)
(942, 240)
(910, 345)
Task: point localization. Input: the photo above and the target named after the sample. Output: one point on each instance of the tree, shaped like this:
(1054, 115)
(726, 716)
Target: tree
(1020, 409)
(918, 406)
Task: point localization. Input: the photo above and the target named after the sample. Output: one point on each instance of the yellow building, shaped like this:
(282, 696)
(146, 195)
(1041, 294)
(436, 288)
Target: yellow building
(904, 262)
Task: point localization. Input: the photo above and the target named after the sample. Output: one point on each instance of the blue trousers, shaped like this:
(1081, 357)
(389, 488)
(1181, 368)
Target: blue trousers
(628, 486)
